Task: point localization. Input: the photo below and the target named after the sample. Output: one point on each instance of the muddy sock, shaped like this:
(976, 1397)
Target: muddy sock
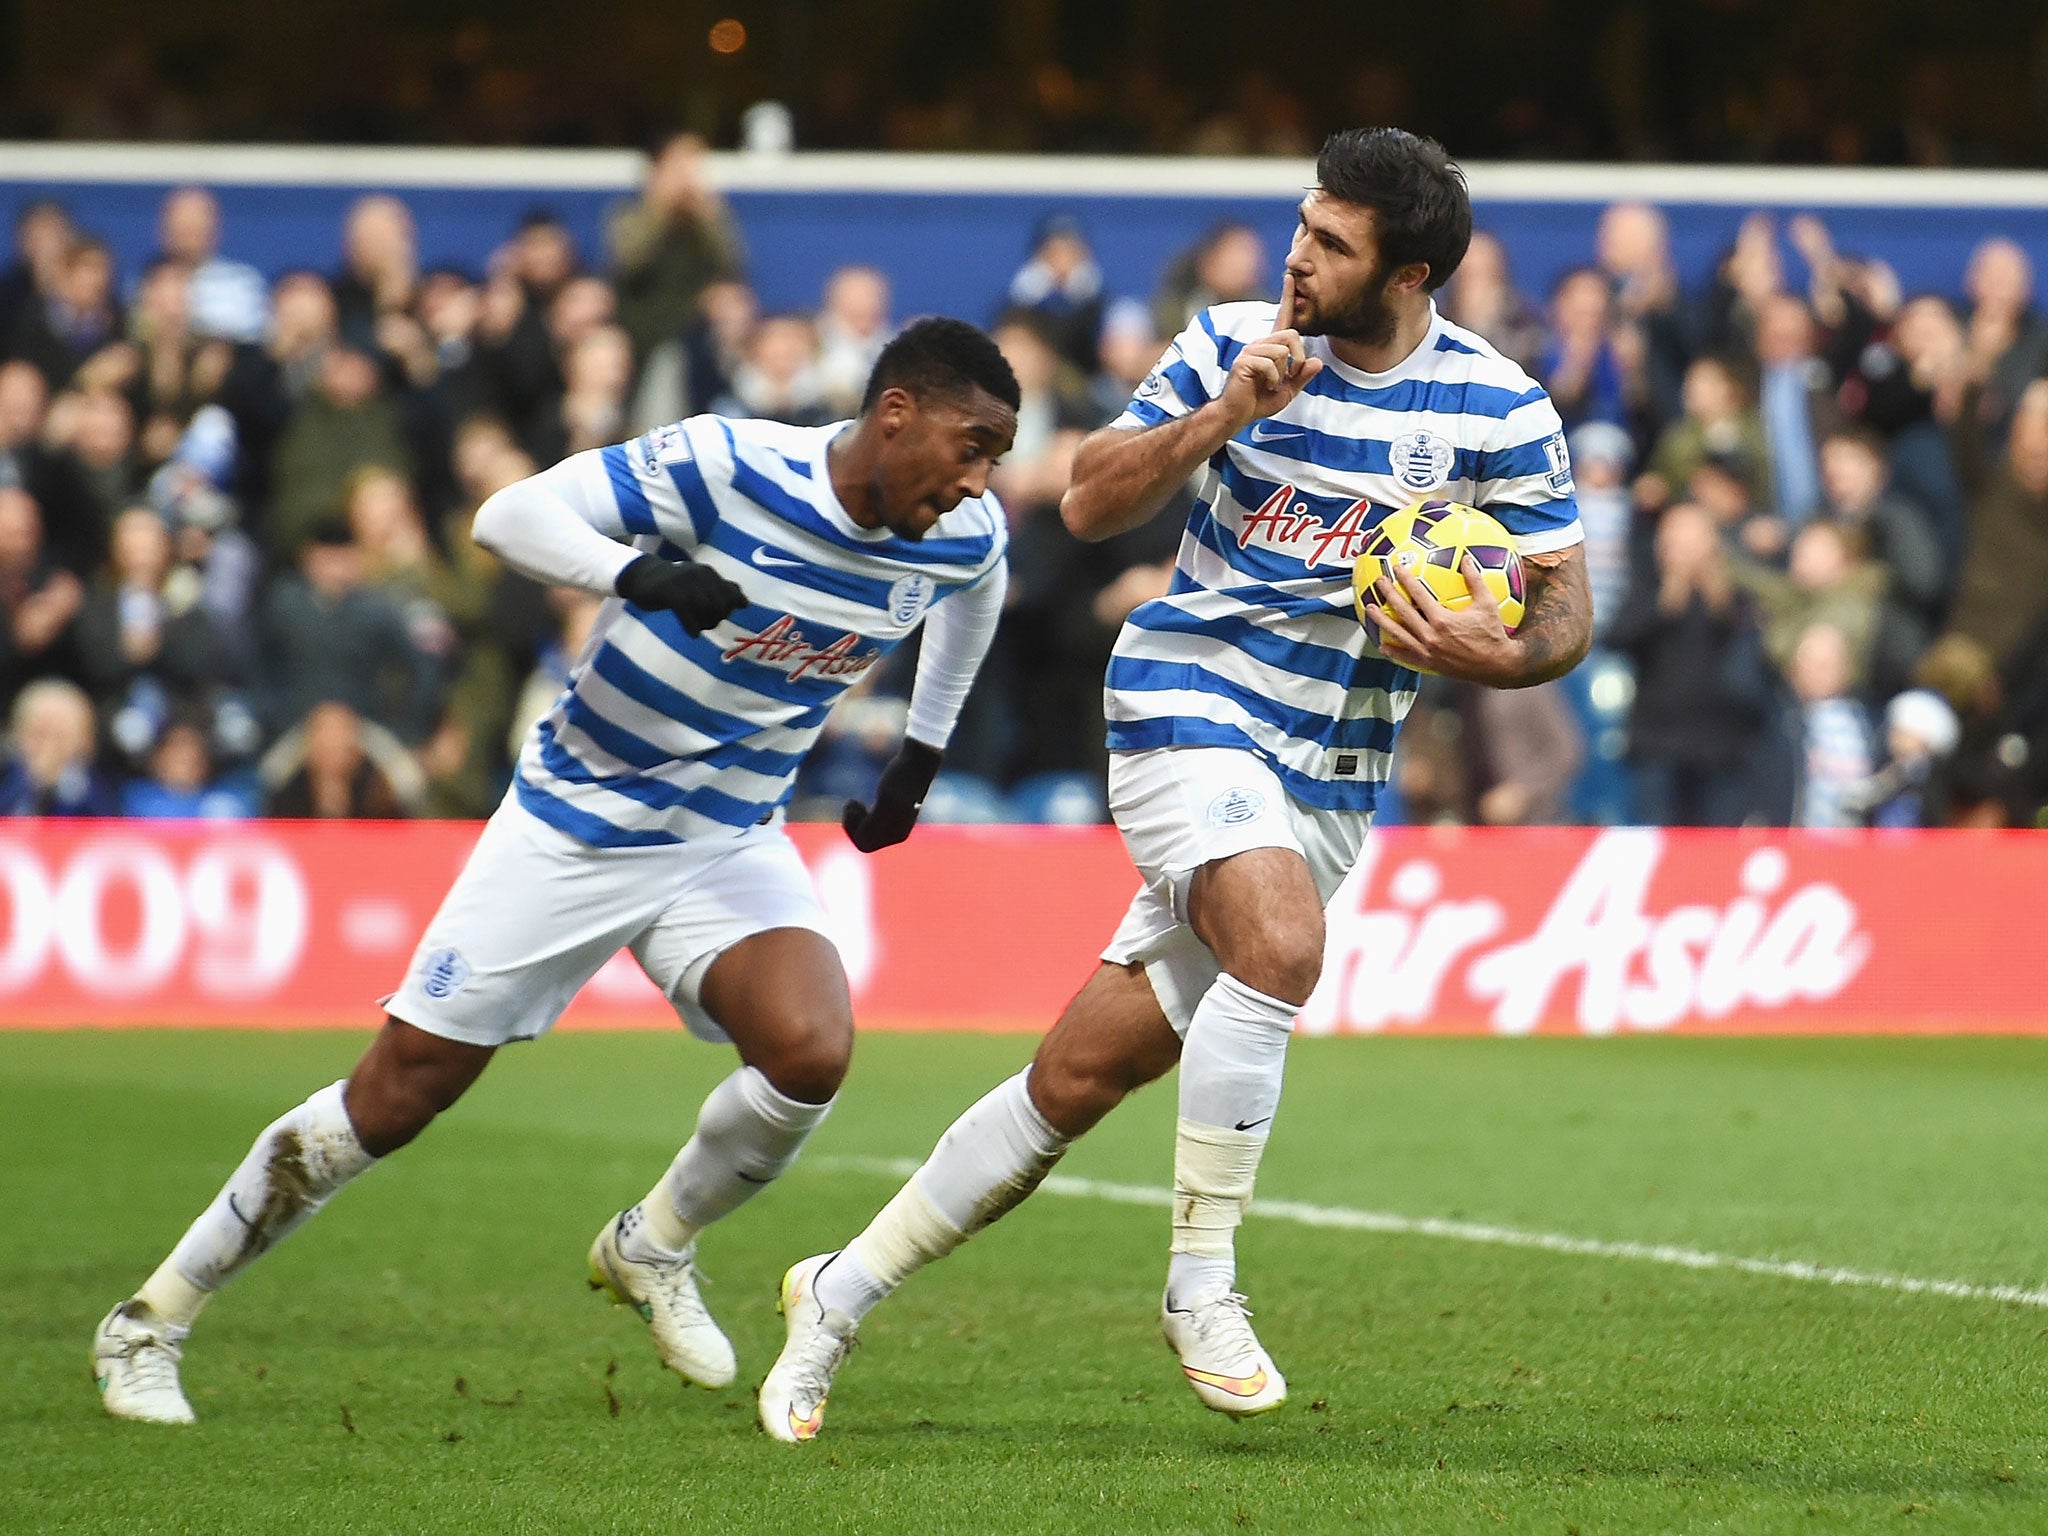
(295, 1166)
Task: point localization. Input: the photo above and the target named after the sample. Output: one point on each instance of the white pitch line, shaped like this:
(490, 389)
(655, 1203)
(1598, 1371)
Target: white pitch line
(1349, 1219)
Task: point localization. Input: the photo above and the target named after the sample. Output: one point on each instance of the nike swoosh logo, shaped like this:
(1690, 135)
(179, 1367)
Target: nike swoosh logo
(1247, 1125)
(1265, 432)
(1236, 1386)
(766, 557)
(805, 1429)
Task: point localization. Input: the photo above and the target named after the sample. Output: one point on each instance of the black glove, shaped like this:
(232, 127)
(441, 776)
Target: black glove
(898, 798)
(696, 594)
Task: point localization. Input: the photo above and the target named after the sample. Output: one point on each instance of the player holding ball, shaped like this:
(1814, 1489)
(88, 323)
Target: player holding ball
(1252, 720)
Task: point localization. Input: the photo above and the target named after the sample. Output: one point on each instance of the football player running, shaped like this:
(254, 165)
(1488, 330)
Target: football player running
(756, 572)
(1251, 725)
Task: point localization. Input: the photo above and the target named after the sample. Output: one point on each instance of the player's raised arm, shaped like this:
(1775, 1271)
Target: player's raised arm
(562, 527)
(1127, 471)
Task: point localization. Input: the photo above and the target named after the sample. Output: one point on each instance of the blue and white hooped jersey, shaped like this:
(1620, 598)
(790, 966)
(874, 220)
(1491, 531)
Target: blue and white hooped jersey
(1256, 643)
(663, 736)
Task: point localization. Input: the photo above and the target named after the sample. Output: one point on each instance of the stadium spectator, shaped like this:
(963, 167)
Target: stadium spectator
(1526, 748)
(1128, 348)
(1632, 247)
(345, 424)
(73, 317)
(1856, 494)
(179, 782)
(147, 645)
(70, 510)
(1795, 403)
(1703, 688)
(541, 256)
(1834, 731)
(2007, 338)
(691, 369)
(1226, 266)
(49, 769)
(1602, 456)
(95, 432)
(853, 327)
(336, 765)
(379, 275)
(447, 379)
(574, 614)
(326, 636)
(597, 376)
(229, 299)
(1591, 372)
(1826, 581)
(778, 377)
(162, 368)
(1746, 279)
(1482, 297)
(43, 232)
(1061, 283)
(1718, 421)
(305, 323)
(2002, 591)
(1045, 717)
(455, 618)
(670, 243)
(39, 599)
(1920, 734)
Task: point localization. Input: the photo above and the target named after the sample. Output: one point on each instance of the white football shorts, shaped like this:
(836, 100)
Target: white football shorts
(535, 912)
(1179, 808)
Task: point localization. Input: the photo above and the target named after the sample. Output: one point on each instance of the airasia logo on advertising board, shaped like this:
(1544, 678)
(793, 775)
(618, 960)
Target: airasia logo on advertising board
(1503, 931)
(1600, 952)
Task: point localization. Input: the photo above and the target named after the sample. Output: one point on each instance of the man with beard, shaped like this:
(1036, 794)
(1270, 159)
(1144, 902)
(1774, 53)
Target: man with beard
(1251, 726)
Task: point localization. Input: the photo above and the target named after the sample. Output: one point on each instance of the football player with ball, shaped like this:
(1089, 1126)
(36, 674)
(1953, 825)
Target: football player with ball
(1252, 719)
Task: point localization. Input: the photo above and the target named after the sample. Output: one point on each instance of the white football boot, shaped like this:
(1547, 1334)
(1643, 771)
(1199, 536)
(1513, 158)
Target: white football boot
(1220, 1355)
(793, 1396)
(135, 1361)
(689, 1342)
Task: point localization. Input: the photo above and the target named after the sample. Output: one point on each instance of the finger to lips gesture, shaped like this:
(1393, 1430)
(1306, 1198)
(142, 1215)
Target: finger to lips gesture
(1270, 372)
(1417, 630)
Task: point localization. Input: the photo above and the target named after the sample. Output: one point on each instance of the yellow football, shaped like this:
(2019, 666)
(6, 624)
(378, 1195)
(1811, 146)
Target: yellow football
(1432, 539)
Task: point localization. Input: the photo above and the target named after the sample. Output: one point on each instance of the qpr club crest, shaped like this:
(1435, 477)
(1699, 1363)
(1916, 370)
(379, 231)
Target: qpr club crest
(1235, 807)
(444, 974)
(1421, 460)
(909, 596)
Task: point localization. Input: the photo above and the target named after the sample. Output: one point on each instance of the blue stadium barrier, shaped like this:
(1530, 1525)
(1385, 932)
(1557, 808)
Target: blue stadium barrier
(950, 230)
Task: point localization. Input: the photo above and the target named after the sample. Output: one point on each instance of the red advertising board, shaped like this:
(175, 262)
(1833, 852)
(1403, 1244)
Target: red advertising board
(286, 925)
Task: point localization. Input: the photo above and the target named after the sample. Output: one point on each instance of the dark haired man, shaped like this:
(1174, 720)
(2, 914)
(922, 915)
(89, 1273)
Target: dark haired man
(1251, 724)
(757, 571)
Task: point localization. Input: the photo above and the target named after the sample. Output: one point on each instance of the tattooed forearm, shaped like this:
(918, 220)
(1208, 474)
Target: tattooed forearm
(1557, 628)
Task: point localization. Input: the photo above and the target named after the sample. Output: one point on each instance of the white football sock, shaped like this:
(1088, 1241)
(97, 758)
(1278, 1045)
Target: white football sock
(747, 1134)
(1231, 1067)
(987, 1162)
(295, 1166)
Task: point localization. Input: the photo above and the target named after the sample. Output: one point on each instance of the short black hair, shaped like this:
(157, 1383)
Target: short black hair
(937, 355)
(1421, 209)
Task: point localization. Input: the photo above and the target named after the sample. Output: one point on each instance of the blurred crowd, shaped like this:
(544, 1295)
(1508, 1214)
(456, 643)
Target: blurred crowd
(236, 577)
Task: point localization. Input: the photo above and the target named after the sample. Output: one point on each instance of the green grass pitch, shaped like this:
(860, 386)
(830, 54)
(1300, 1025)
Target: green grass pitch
(425, 1357)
